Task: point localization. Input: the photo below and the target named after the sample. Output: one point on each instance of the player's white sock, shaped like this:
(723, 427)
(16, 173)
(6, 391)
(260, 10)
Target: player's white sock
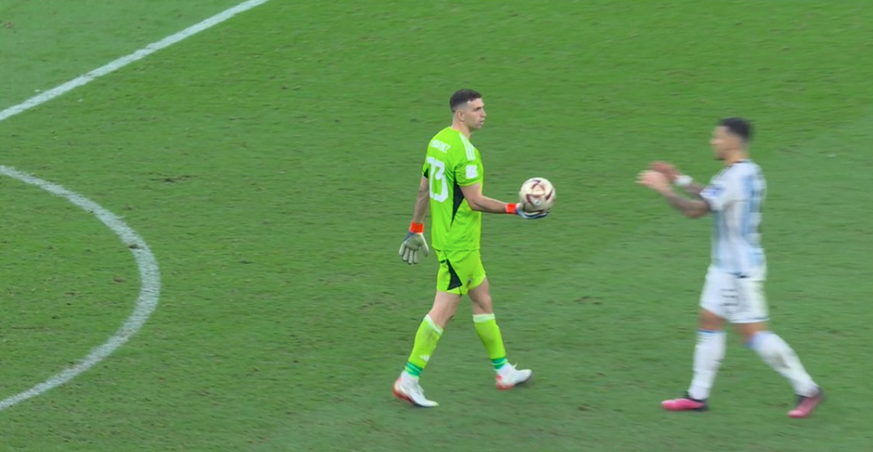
(405, 377)
(776, 352)
(707, 357)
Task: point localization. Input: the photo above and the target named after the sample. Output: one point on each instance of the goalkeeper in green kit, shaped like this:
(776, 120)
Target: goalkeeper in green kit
(451, 186)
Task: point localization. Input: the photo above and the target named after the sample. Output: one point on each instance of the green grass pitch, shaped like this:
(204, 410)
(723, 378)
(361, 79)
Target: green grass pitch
(271, 162)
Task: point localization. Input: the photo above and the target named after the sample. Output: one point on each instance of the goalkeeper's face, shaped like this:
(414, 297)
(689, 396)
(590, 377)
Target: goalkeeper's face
(473, 114)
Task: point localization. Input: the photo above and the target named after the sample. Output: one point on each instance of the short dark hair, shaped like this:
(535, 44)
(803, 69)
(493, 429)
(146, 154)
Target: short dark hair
(462, 96)
(738, 126)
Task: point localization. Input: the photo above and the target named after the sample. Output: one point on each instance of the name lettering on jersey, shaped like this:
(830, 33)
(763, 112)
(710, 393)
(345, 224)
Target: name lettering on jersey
(440, 145)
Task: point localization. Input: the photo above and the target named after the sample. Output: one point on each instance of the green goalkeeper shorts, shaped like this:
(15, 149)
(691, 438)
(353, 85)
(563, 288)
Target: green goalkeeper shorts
(460, 271)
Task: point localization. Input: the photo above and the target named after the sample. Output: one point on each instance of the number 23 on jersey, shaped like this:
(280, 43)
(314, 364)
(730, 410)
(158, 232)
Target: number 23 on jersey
(438, 177)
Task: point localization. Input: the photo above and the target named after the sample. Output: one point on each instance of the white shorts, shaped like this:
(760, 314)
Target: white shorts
(735, 299)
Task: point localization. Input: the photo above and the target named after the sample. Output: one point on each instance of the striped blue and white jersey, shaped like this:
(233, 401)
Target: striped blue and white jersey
(735, 197)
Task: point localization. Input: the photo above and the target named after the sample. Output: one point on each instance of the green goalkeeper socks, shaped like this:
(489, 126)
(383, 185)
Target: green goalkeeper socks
(426, 340)
(489, 334)
(429, 334)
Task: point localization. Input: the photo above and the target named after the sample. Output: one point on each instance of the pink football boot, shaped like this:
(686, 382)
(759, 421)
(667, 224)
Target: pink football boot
(685, 403)
(806, 405)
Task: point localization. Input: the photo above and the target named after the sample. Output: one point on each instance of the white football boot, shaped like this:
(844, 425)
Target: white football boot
(509, 377)
(407, 388)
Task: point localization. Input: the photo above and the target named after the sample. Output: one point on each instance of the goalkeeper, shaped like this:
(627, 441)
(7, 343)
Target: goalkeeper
(451, 185)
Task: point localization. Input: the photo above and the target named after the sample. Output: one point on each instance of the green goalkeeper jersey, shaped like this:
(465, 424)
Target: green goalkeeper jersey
(453, 162)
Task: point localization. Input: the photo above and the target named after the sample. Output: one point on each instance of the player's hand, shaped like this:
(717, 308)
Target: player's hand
(666, 169)
(532, 215)
(413, 246)
(655, 180)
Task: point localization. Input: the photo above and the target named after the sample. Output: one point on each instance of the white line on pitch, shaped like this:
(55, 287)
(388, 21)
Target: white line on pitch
(145, 304)
(125, 60)
(148, 266)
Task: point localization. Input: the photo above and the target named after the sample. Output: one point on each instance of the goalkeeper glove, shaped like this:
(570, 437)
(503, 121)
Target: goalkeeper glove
(518, 209)
(414, 244)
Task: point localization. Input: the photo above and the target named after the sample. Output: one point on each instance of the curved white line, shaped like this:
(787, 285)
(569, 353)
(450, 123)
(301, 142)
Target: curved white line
(145, 304)
(148, 266)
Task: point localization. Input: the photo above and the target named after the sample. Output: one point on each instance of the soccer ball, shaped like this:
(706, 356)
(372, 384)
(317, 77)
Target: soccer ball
(537, 194)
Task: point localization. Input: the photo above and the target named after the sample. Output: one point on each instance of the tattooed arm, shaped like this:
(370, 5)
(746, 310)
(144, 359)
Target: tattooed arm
(692, 208)
(694, 189)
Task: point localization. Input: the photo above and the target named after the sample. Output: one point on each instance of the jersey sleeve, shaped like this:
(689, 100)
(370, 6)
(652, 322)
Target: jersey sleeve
(425, 168)
(467, 165)
(719, 193)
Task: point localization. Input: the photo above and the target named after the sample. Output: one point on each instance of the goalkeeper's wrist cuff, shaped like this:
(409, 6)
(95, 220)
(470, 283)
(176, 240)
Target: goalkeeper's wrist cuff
(683, 181)
(416, 228)
(511, 208)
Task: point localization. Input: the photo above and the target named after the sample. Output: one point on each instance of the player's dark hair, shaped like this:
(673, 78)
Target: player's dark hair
(739, 127)
(462, 96)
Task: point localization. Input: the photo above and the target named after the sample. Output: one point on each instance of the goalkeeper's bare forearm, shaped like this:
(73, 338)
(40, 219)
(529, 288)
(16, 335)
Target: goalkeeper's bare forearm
(422, 202)
(479, 202)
